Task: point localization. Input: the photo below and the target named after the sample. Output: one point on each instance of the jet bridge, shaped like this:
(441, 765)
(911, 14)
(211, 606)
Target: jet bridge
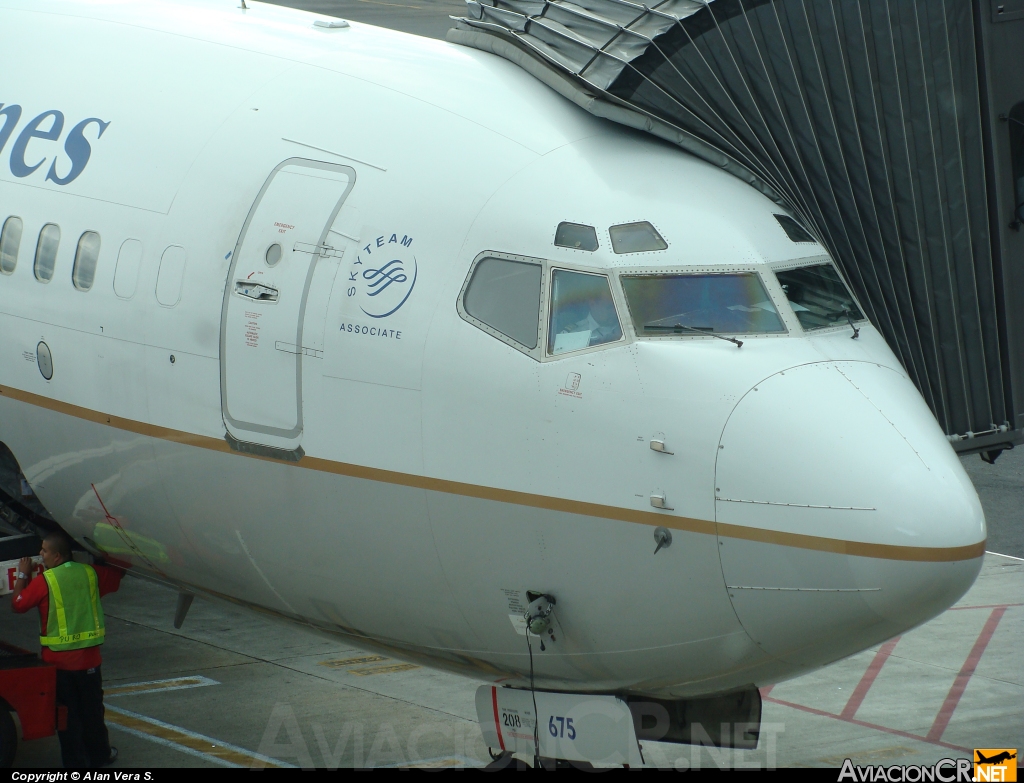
(893, 130)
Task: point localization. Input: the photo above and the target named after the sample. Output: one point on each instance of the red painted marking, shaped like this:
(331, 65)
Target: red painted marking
(497, 721)
(946, 711)
(867, 725)
(960, 683)
(104, 507)
(857, 697)
(113, 521)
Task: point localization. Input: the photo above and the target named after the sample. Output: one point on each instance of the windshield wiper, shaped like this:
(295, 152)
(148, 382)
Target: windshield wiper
(707, 332)
(856, 331)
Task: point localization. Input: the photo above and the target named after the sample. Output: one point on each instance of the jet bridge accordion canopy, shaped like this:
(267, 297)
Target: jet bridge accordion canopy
(865, 118)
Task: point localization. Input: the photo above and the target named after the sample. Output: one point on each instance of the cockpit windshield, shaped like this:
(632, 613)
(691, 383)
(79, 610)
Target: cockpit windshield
(733, 303)
(818, 296)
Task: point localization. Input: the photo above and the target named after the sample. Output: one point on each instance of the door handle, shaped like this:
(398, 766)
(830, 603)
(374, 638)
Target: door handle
(658, 445)
(323, 251)
(256, 291)
(293, 348)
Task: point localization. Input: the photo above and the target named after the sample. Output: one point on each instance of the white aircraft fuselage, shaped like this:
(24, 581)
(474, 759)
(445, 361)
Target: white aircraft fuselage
(329, 437)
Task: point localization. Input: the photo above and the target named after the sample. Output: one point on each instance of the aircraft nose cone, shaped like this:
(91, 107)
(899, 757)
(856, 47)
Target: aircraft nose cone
(844, 517)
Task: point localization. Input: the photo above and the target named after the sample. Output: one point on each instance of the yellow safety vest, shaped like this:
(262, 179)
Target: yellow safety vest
(75, 618)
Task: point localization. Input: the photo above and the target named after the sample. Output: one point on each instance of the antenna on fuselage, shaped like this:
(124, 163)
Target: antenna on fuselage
(243, 6)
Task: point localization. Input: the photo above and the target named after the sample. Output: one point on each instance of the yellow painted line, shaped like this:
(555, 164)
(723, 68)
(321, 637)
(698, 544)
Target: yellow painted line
(176, 684)
(342, 663)
(837, 546)
(595, 510)
(395, 667)
(187, 741)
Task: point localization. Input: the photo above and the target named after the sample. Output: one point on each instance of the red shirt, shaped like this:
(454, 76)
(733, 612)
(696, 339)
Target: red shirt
(37, 593)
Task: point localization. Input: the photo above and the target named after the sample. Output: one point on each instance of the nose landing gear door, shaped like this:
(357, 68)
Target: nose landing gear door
(283, 238)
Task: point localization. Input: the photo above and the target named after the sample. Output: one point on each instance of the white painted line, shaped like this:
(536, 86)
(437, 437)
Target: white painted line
(175, 746)
(172, 730)
(999, 554)
(161, 686)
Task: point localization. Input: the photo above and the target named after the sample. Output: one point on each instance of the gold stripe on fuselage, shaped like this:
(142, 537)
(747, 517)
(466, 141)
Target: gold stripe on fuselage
(740, 532)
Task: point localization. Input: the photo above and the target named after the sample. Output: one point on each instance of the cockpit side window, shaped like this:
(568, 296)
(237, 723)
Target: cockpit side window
(582, 312)
(664, 305)
(818, 295)
(504, 295)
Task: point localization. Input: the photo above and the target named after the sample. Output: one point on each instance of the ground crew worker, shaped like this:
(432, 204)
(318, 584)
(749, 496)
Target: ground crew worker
(71, 619)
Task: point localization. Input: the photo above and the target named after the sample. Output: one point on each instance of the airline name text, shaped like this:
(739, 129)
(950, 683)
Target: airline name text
(47, 127)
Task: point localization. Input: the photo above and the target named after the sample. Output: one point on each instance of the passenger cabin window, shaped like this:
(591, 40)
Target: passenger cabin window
(46, 252)
(582, 312)
(1016, 122)
(10, 242)
(636, 238)
(505, 295)
(733, 303)
(126, 272)
(170, 276)
(576, 236)
(84, 270)
(819, 296)
(794, 230)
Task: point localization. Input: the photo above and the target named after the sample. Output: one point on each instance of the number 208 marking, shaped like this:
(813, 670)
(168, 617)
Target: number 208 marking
(511, 720)
(563, 729)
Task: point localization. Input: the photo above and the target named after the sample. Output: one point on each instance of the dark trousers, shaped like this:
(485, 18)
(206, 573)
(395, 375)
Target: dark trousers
(84, 743)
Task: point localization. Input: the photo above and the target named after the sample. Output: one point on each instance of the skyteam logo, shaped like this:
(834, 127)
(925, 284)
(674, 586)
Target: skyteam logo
(383, 275)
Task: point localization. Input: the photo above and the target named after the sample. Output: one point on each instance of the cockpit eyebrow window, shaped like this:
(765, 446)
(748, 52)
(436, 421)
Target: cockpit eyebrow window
(818, 296)
(794, 230)
(505, 295)
(576, 236)
(639, 237)
(685, 304)
(582, 312)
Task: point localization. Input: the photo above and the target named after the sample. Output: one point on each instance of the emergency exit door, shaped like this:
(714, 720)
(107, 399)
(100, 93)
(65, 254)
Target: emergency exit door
(262, 352)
